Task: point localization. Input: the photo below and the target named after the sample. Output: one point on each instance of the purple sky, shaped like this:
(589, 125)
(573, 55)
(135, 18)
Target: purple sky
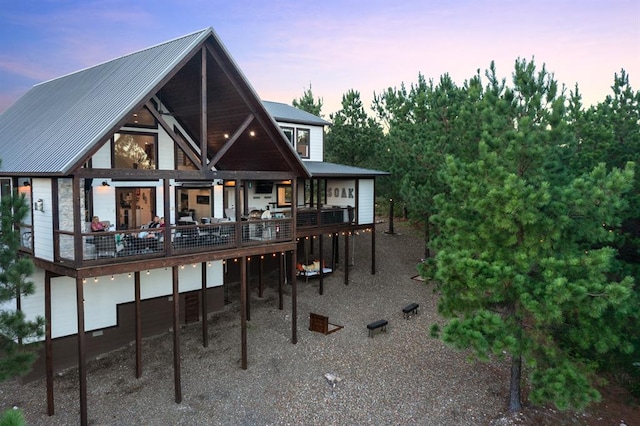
(282, 46)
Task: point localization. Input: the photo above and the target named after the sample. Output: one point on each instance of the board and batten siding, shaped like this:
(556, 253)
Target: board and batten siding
(366, 201)
(102, 297)
(42, 233)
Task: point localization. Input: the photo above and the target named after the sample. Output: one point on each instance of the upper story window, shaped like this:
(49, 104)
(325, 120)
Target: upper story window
(182, 161)
(289, 132)
(299, 138)
(141, 118)
(302, 142)
(135, 151)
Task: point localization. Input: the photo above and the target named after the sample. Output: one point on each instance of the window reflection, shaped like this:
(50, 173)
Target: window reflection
(134, 151)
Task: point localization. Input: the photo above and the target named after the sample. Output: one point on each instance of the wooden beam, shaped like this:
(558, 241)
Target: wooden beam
(203, 107)
(188, 151)
(138, 322)
(82, 366)
(183, 175)
(48, 343)
(243, 312)
(203, 294)
(176, 337)
(229, 143)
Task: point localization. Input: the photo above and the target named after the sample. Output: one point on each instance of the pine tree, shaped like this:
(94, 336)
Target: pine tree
(523, 259)
(17, 357)
(308, 103)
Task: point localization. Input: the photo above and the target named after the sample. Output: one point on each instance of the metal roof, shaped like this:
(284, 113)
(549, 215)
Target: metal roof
(290, 114)
(57, 122)
(323, 169)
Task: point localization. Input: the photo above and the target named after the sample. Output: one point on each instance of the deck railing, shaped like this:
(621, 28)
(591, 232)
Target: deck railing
(326, 216)
(106, 247)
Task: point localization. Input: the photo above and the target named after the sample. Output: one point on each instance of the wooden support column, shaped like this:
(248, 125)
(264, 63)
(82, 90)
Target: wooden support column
(321, 258)
(346, 258)
(280, 280)
(248, 289)
(48, 342)
(294, 300)
(138, 322)
(166, 193)
(260, 272)
(373, 250)
(176, 337)
(205, 310)
(82, 367)
(243, 312)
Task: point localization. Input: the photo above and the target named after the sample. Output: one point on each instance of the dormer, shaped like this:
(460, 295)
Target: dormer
(304, 131)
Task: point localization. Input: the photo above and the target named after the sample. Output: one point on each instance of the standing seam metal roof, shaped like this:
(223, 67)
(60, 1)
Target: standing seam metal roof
(49, 138)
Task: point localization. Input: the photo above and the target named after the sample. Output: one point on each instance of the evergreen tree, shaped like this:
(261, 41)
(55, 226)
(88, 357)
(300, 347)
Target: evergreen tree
(523, 260)
(308, 103)
(16, 357)
(354, 138)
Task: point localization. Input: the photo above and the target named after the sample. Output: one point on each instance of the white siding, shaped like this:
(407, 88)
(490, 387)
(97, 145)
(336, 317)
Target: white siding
(366, 201)
(341, 193)
(104, 201)
(316, 142)
(42, 220)
(102, 158)
(166, 151)
(102, 296)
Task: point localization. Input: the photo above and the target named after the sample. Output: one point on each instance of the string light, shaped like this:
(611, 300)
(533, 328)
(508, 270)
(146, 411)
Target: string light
(194, 265)
(181, 266)
(112, 278)
(84, 281)
(95, 280)
(148, 272)
(129, 274)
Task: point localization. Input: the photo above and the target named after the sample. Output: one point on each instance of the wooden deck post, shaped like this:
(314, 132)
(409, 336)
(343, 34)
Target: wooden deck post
(260, 272)
(248, 288)
(176, 337)
(138, 322)
(243, 312)
(205, 313)
(346, 258)
(280, 280)
(321, 258)
(373, 250)
(82, 367)
(48, 342)
(294, 300)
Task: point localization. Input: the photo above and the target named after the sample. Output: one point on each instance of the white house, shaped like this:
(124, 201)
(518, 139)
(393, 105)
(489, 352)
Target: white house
(173, 131)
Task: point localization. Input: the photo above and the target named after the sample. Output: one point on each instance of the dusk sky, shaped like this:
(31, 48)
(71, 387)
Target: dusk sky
(283, 46)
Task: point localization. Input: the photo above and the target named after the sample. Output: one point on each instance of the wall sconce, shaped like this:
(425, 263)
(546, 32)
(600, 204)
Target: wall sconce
(39, 205)
(105, 183)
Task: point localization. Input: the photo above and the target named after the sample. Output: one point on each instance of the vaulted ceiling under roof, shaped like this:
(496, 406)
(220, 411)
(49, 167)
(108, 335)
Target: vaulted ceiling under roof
(227, 109)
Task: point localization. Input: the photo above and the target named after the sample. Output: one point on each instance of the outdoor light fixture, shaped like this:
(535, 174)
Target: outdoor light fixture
(105, 183)
(39, 205)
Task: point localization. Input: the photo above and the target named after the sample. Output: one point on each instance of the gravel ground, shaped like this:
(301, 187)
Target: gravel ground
(399, 377)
